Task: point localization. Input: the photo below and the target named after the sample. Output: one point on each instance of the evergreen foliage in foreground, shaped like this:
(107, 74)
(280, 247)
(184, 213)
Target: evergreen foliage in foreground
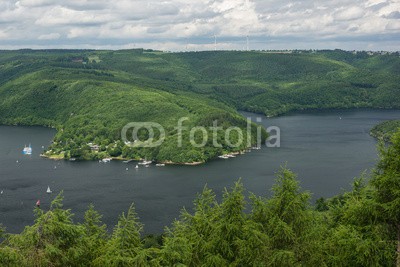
(357, 228)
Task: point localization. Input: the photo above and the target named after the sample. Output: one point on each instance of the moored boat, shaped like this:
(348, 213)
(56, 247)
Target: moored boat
(27, 150)
(145, 162)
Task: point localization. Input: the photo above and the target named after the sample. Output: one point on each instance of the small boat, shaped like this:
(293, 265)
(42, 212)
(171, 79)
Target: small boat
(146, 166)
(1, 192)
(126, 169)
(38, 203)
(105, 160)
(160, 164)
(48, 191)
(137, 167)
(72, 159)
(230, 156)
(27, 150)
(223, 157)
(145, 162)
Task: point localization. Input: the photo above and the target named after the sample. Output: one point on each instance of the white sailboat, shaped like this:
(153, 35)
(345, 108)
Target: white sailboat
(49, 190)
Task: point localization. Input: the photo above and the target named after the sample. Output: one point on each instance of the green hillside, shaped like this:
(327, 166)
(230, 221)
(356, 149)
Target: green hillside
(89, 95)
(385, 130)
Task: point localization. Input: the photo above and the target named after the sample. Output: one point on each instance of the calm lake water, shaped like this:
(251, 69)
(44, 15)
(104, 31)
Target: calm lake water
(325, 151)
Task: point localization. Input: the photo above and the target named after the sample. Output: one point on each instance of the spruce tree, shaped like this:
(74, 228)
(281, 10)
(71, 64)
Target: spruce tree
(387, 183)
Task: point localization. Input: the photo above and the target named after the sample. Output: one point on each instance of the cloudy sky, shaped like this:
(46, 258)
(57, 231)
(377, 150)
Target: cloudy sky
(180, 25)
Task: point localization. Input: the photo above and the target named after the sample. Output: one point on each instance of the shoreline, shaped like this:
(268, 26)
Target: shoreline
(168, 162)
(58, 157)
(52, 157)
(183, 163)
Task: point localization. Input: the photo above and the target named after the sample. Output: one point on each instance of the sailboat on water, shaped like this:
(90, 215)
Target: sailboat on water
(49, 190)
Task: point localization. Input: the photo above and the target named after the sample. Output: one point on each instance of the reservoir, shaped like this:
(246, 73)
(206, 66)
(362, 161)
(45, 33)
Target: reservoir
(327, 149)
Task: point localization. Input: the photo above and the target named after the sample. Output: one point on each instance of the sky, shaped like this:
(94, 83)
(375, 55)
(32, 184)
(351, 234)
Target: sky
(183, 25)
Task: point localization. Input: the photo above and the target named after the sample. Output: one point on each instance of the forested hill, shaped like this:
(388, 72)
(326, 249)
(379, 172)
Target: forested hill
(385, 130)
(89, 95)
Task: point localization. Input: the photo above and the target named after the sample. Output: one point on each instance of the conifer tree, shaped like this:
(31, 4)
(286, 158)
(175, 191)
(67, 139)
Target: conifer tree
(95, 236)
(125, 247)
(387, 183)
(54, 240)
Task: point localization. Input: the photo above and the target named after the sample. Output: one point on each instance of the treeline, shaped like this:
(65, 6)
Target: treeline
(357, 228)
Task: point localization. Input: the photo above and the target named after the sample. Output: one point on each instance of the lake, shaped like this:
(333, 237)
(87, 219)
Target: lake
(327, 149)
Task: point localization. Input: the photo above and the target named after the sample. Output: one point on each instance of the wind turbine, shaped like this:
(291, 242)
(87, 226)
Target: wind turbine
(215, 42)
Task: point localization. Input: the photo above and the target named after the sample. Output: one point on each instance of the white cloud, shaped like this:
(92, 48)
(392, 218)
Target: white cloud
(50, 36)
(3, 35)
(350, 13)
(393, 26)
(66, 16)
(35, 3)
(177, 22)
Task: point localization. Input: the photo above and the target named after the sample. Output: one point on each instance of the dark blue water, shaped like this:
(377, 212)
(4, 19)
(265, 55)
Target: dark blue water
(325, 151)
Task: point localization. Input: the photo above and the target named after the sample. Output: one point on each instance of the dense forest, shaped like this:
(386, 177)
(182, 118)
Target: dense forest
(385, 130)
(356, 228)
(89, 95)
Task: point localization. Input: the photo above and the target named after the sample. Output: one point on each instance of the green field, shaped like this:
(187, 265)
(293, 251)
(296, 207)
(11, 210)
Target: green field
(89, 95)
